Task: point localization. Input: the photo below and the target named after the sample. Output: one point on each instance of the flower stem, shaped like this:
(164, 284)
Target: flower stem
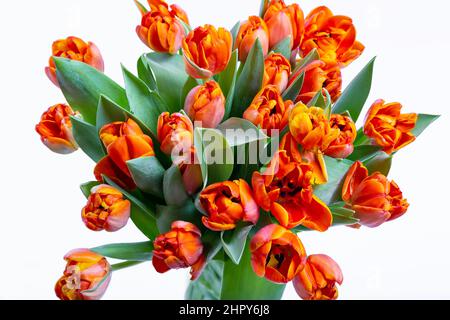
(124, 265)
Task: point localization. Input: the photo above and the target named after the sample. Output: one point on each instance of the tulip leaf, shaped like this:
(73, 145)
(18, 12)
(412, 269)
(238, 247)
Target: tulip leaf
(240, 132)
(145, 74)
(234, 32)
(234, 241)
(343, 216)
(166, 215)
(82, 86)
(284, 47)
(173, 187)
(227, 82)
(141, 215)
(337, 171)
(263, 8)
(208, 285)
(381, 163)
(250, 80)
(310, 57)
(364, 152)
(292, 92)
(140, 251)
(142, 9)
(170, 75)
(423, 122)
(145, 104)
(240, 282)
(87, 187)
(147, 173)
(212, 242)
(86, 136)
(355, 95)
(190, 84)
(214, 154)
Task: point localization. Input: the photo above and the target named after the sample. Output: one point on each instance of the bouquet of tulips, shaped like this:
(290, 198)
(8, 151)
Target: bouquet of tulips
(224, 148)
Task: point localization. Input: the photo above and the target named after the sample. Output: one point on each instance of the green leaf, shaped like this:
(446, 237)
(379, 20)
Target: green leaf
(147, 173)
(423, 122)
(82, 86)
(109, 112)
(355, 95)
(284, 47)
(145, 74)
(166, 215)
(87, 187)
(208, 285)
(234, 241)
(381, 162)
(141, 7)
(140, 251)
(263, 7)
(227, 82)
(234, 32)
(173, 187)
(190, 84)
(169, 73)
(86, 136)
(364, 152)
(241, 283)
(292, 92)
(145, 104)
(250, 80)
(238, 131)
(343, 216)
(311, 57)
(141, 215)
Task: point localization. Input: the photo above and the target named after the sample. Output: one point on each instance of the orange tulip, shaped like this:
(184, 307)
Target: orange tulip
(175, 133)
(106, 209)
(285, 189)
(374, 199)
(207, 51)
(86, 277)
(284, 21)
(75, 49)
(388, 127)
(250, 30)
(277, 70)
(334, 37)
(206, 104)
(277, 254)
(227, 203)
(317, 281)
(124, 141)
(55, 129)
(174, 10)
(191, 173)
(343, 146)
(179, 248)
(268, 110)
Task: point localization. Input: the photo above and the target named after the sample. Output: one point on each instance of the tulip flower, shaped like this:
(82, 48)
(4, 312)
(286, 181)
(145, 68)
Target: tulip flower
(334, 37)
(86, 277)
(75, 49)
(174, 10)
(374, 199)
(285, 189)
(179, 248)
(175, 133)
(269, 111)
(317, 281)
(284, 21)
(342, 147)
(250, 30)
(277, 70)
(277, 254)
(124, 141)
(106, 209)
(228, 203)
(388, 127)
(191, 174)
(207, 51)
(206, 104)
(55, 129)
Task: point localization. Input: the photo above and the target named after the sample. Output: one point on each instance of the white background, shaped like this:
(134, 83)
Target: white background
(41, 202)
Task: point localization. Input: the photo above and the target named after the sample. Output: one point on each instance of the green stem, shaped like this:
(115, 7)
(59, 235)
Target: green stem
(124, 265)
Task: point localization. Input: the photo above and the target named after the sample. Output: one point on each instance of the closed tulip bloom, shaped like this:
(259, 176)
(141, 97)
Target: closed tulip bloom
(317, 281)
(106, 209)
(191, 174)
(269, 111)
(285, 189)
(277, 254)
(175, 133)
(207, 51)
(374, 198)
(343, 146)
(55, 129)
(228, 203)
(206, 104)
(179, 248)
(74, 48)
(277, 70)
(173, 9)
(86, 277)
(250, 30)
(388, 127)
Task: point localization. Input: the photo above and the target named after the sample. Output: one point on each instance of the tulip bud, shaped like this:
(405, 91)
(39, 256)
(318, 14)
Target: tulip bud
(277, 70)
(75, 49)
(175, 133)
(206, 104)
(191, 173)
(174, 10)
(106, 209)
(55, 129)
(250, 30)
(179, 248)
(277, 254)
(317, 281)
(228, 203)
(342, 147)
(86, 277)
(207, 51)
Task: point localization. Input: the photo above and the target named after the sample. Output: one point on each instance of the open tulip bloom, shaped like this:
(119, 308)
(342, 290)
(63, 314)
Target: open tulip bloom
(225, 148)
